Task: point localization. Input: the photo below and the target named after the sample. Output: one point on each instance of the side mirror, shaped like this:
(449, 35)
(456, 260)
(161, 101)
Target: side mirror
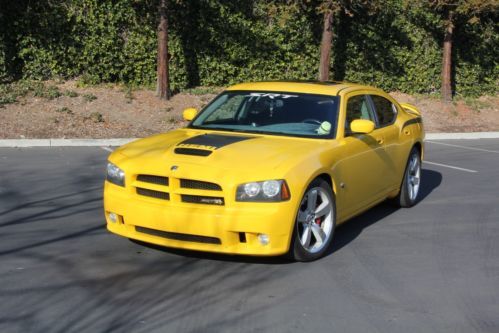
(189, 114)
(362, 126)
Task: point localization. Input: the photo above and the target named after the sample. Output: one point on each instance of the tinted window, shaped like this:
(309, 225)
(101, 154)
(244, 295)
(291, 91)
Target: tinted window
(384, 110)
(358, 107)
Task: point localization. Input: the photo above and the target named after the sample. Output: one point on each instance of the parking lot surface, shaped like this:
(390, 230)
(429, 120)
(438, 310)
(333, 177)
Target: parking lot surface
(430, 268)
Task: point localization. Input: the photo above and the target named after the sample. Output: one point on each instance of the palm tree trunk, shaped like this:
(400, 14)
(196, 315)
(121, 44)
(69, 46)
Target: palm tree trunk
(326, 43)
(162, 89)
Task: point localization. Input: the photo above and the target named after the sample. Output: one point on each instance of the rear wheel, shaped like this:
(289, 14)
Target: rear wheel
(315, 222)
(412, 179)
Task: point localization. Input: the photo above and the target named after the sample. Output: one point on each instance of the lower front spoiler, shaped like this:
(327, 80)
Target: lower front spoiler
(235, 243)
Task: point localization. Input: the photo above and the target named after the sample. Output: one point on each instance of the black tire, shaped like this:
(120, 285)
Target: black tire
(326, 223)
(406, 198)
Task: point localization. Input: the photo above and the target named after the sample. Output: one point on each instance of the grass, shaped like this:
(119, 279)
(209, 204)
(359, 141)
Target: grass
(476, 104)
(89, 97)
(7, 96)
(71, 93)
(11, 92)
(64, 110)
(97, 117)
(128, 90)
(203, 90)
(47, 92)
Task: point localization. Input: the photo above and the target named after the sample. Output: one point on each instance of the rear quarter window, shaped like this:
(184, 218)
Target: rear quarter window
(385, 110)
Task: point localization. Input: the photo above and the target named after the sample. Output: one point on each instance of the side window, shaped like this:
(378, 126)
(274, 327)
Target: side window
(385, 110)
(358, 107)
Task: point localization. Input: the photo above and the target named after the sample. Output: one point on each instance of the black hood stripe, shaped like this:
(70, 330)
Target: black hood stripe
(214, 141)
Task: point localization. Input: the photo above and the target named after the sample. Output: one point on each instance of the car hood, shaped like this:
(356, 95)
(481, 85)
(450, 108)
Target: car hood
(231, 152)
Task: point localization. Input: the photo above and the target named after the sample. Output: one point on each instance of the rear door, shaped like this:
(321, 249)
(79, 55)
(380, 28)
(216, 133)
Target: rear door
(387, 133)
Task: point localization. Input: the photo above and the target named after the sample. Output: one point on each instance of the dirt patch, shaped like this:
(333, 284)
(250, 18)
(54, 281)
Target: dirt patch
(64, 110)
(96, 112)
(463, 115)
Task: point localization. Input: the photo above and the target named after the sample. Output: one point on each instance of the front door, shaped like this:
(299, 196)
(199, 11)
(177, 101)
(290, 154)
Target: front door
(361, 169)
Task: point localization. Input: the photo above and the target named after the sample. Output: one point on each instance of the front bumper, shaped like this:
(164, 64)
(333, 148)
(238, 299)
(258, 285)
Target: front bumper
(199, 226)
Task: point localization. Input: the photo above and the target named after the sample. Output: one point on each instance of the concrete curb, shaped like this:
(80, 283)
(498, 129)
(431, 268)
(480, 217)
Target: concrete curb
(22, 143)
(462, 136)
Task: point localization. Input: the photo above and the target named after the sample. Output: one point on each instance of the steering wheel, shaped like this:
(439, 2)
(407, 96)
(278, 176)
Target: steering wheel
(312, 121)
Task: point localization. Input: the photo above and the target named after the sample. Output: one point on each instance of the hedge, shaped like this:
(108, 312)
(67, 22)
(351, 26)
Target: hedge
(217, 42)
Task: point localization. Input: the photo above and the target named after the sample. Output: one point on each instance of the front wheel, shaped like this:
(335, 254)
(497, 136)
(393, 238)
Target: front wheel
(412, 179)
(315, 222)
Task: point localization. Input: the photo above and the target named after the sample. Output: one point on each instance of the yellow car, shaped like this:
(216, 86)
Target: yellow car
(267, 168)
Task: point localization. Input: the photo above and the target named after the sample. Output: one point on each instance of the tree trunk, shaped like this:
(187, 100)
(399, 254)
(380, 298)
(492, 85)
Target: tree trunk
(326, 43)
(162, 89)
(447, 61)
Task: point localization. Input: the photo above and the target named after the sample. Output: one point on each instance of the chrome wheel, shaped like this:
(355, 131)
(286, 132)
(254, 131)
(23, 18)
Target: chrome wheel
(315, 220)
(413, 177)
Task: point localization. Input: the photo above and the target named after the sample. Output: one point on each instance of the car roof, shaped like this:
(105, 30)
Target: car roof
(310, 87)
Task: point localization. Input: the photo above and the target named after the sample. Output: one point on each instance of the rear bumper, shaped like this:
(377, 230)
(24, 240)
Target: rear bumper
(199, 226)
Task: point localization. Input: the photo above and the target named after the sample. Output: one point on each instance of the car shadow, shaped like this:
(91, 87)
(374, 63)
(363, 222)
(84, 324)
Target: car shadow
(277, 260)
(344, 234)
(351, 229)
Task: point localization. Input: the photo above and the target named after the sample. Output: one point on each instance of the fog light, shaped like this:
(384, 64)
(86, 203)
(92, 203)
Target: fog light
(264, 239)
(113, 217)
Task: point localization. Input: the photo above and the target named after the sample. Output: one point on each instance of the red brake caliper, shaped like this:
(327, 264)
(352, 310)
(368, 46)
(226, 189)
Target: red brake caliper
(318, 221)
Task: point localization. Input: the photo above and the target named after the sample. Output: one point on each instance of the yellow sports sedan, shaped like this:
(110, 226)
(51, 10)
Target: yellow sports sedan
(267, 168)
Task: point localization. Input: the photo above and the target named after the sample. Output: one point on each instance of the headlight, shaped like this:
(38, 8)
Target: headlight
(264, 191)
(115, 175)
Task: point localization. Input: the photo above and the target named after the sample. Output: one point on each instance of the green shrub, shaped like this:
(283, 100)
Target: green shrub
(65, 110)
(10, 92)
(217, 43)
(89, 97)
(71, 93)
(50, 92)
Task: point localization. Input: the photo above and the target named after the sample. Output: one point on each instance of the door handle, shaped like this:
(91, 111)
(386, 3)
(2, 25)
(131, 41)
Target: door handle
(380, 140)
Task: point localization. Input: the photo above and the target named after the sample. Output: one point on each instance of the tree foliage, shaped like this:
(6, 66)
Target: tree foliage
(218, 42)
(451, 11)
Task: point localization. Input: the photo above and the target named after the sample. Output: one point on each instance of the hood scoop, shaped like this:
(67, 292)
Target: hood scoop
(192, 151)
(204, 145)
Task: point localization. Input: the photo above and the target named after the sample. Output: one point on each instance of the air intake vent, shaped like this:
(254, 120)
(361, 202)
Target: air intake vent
(199, 199)
(153, 194)
(180, 237)
(192, 151)
(153, 179)
(199, 185)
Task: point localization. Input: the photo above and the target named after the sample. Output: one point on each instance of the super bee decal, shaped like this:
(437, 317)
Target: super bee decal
(211, 141)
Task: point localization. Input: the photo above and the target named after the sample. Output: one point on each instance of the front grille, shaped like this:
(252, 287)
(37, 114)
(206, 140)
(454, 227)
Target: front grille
(199, 185)
(199, 199)
(153, 179)
(153, 194)
(192, 151)
(178, 236)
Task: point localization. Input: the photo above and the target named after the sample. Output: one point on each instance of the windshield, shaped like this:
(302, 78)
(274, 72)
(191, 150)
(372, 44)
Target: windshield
(279, 113)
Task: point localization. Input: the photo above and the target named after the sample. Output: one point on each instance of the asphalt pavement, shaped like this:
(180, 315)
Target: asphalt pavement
(430, 268)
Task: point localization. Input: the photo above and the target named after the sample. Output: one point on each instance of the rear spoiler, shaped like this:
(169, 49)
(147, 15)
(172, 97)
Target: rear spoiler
(411, 109)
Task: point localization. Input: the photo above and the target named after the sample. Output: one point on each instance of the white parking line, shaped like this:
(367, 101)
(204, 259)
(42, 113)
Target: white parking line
(450, 167)
(108, 149)
(464, 147)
